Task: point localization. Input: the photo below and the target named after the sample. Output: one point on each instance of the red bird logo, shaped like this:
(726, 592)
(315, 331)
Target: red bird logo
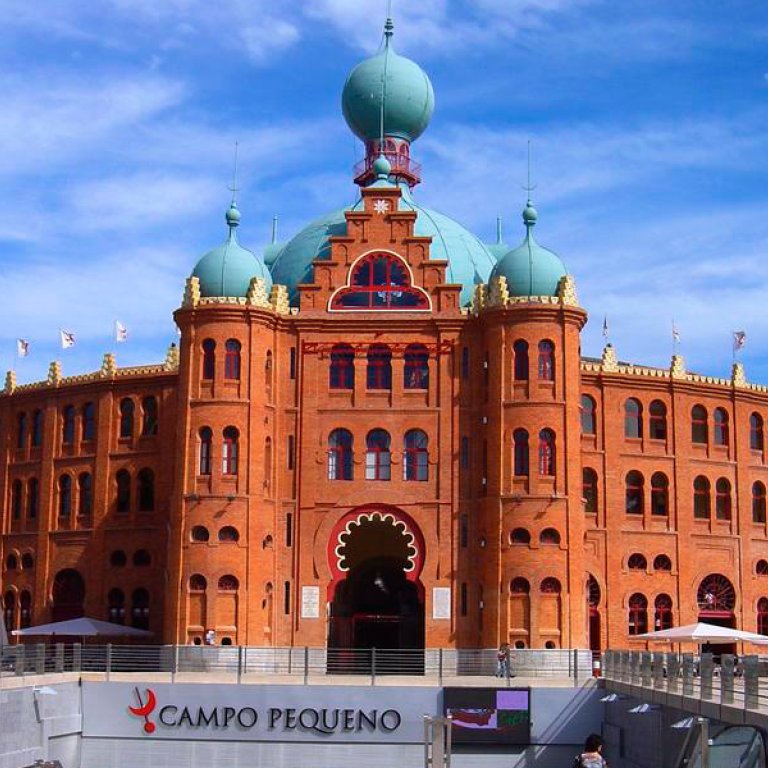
(145, 708)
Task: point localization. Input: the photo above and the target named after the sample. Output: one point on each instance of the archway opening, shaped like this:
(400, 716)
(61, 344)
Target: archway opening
(716, 598)
(68, 595)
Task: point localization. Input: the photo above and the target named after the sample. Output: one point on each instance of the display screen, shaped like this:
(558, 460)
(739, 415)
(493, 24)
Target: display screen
(489, 715)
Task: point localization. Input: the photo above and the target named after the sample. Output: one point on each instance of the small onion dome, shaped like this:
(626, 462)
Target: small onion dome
(530, 269)
(227, 270)
(382, 167)
(407, 92)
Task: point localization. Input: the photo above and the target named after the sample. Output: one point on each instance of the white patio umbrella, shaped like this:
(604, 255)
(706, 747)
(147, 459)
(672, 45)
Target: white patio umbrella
(705, 633)
(82, 627)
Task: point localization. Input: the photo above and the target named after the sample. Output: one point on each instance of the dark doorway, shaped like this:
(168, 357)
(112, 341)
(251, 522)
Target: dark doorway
(594, 630)
(68, 595)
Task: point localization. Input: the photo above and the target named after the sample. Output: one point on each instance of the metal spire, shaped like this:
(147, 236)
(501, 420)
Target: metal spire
(528, 188)
(234, 189)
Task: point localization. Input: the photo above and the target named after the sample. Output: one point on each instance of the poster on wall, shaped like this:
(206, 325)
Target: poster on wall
(489, 715)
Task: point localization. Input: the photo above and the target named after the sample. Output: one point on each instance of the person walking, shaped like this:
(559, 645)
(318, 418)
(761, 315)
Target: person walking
(502, 660)
(592, 756)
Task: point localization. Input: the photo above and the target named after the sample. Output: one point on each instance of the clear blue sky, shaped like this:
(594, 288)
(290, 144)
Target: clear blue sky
(648, 123)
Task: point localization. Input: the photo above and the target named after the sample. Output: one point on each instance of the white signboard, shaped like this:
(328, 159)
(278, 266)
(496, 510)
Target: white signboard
(441, 602)
(310, 602)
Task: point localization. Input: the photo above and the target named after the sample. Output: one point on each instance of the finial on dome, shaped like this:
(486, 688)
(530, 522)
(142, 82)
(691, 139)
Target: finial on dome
(233, 216)
(382, 167)
(530, 214)
(389, 25)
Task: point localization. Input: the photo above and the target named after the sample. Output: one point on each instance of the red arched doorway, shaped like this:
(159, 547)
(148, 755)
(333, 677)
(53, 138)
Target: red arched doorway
(593, 614)
(68, 595)
(716, 599)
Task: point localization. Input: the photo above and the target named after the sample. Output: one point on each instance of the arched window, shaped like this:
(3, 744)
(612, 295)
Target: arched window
(127, 408)
(27, 561)
(547, 453)
(756, 435)
(520, 349)
(762, 616)
(702, 503)
(723, 499)
(520, 536)
(209, 359)
(37, 428)
(229, 534)
(146, 490)
(149, 416)
(200, 533)
(142, 558)
(85, 494)
(68, 425)
(549, 536)
(520, 438)
(9, 609)
(720, 420)
(716, 594)
(228, 583)
(232, 360)
(657, 423)
(593, 593)
(659, 494)
(229, 451)
(588, 415)
(662, 563)
(699, 426)
(380, 281)
(123, 482)
(16, 496)
(519, 586)
(197, 583)
(11, 563)
(21, 430)
(118, 558)
(205, 445)
(378, 461)
(267, 462)
(415, 455)
(116, 606)
(379, 371)
(589, 490)
(342, 370)
(340, 455)
(634, 493)
(546, 360)
(662, 615)
(633, 418)
(637, 562)
(638, 614)
(25, 612)
(33, 497)
(416, 373)
(758, 502)
(761, 568)
(140, 609)
(89, 421)
(551, 586)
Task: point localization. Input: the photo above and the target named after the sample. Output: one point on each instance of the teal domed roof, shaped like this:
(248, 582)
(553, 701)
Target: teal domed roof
(530, 269)
(403, 85)
(227, 269)
(469, 260)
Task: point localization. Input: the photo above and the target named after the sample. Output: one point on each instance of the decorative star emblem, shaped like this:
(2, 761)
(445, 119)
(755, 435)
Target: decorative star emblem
(381, 206)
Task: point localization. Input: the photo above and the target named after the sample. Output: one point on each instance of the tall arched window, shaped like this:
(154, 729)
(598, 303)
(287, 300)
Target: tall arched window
(378, 461)
(756, 433)
(699, 426)
(146, 490)
(205, 436)
(149, 416)
(140, 608)
(65, 495)
(116, 606)
(197, 583)
(758, 502)
(519, 586)
(546, 360)
(520, 349)
(416, 373)
(21, 431)
(85, 494)
(25, 612)
(589, 490)
(37, 428)
(723, 499)
(342, 371)
(720, 420)
(16, 496)
(547, 453)
(633, 418)
(68, 425)
(379, 371)
(123, 482)
(588, 415)
(89, 421)
(662, 615)
(232, 360)
(638, 614)
(33, 498)
(702, 502)
(659, 494)
(209, 359)
(634, 493)
(9, 610)
(657, 423)
(522, 467)
(11, 562)
(340, 455)
(229, 453)
(415, 455)
(762, 616)
(127, 409)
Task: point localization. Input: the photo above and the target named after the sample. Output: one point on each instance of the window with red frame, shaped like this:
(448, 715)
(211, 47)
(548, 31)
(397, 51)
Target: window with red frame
(230, 450)
(638, 614)
(589, 490)
(657, 422)
(415, 455)
(633, 418)
(723, 499)
(379, 371)
(662, 615)
(634, 493)
(702, 502)
(232, 360)
(720, 420)
(588, 415)
(206, 445)
(209, 359)
(25, 613)
(762, 616)
(341, 374)
(756, 434)
(520, 349)
(659, 494)
(546, 360)
(699, 426)
(340, 455)
(547, 453)
(378, 459)
(380, 281)
(758, 502)
(416, 373)
(716, 593)
(520, 438)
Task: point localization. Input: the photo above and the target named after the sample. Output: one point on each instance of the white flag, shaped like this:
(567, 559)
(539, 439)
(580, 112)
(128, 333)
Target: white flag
(22, 347)
(739, 340)
(67, 339)
(121, 332)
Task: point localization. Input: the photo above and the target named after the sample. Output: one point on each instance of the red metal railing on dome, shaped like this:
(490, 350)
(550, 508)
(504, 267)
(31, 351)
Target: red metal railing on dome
(402, 166)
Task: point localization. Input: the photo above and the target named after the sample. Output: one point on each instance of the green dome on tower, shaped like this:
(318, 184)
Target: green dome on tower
(403, 85)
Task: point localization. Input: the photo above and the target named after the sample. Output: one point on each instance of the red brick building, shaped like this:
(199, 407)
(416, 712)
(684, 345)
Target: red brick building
(383, 433)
